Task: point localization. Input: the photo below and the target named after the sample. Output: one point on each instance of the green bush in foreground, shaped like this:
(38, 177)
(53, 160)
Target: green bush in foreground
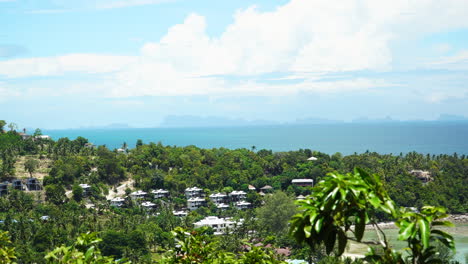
(344, 204)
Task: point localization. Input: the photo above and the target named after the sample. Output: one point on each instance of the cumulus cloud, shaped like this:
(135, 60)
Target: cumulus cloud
(458, 61)
(60, 65)
(302, 38)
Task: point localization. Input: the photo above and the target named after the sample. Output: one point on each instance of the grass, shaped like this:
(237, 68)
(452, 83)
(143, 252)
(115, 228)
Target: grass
(459, 232)
(40, 172)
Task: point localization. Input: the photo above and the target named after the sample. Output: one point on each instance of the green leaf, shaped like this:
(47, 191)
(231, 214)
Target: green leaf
(406, 232)
(342, 241)
(307, 229)
(443, 223)
(318, 225)
(425, 232)
(360, 225)
(330, 242)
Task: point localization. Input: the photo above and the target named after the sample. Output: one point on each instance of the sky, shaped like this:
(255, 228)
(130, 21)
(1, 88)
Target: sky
(69, 64)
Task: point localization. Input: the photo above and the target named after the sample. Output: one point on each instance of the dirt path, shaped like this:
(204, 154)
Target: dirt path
(120, 189)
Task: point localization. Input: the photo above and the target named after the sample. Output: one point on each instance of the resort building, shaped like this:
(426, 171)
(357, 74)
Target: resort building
(243, 205)
(86, 188)
(44, 137)
(33, 184)
(219, 225)
(3, 188)
(118, 202)
(252, 188)
(195, 203)
(266, 188)
(218, 198)
(237, 196)
(160, 193)
(303, 182)
(138, 195)
(300, 197)
(423, 176)
(179, 213)
(222, 206)
(193, 192)
(18, 185)
(148, 205)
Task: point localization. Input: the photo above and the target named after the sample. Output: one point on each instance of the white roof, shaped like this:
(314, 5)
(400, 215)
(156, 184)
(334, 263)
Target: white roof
(237, 193)
(85, 186)
(138, 193)
(193, 189)
(159, 191)
(242, 203)
(212, 220)
(179, 213)
(302, 181)
(118, 199)
(148, 204)
(312, 158)
(216, 195)
(195, 199)
(222, 205)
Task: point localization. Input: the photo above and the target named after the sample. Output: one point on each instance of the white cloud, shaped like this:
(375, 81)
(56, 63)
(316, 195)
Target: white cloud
(458, 61)
(303, 37)
(60, 65)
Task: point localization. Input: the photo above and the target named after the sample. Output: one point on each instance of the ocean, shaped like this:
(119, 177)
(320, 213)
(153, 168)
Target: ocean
(384, 138)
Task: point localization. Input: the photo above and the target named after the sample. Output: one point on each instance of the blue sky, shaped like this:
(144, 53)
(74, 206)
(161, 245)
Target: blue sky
(68, 63)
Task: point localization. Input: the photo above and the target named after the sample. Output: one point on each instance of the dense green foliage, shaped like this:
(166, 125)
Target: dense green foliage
(345, 204)
(43, 221)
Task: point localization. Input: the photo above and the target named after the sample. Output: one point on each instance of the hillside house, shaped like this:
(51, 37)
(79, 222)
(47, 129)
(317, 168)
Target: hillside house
(18, 185)
(138, 195)
(423, 176)
(303, 182)
(266, 189)
(33, 184)
(86, 189)
(218, 198)
(236, 196)
(179, 213)
(193, 192)
(219, 225)
(117, 202)
(160, 193)
(195, 203)
(3, 188)
(242, 205)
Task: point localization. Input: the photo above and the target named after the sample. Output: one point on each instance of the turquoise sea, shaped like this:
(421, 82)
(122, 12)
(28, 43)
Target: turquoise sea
(424, 137)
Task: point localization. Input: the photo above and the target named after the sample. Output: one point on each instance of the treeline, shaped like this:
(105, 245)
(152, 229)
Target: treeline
(39, 222)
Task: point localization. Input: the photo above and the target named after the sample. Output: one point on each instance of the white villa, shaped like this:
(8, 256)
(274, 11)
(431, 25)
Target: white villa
(303, 182)
(222, 206)
(148, 205)
(138, 195)
(160, 193)
(118, 201)
(218, 224)
(243, 205)
(193, 192)
(179, 213)
(237, 196)
(86, 188)
(218, 198)
(195, 203)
